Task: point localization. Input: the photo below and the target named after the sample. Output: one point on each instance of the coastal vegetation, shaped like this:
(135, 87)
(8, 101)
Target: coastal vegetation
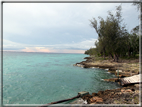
(117, 51)
(114, 40)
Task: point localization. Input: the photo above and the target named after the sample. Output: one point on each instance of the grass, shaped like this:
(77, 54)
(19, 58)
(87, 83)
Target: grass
(131, 57)
(100, 58)
(136, 100)
(117, 102)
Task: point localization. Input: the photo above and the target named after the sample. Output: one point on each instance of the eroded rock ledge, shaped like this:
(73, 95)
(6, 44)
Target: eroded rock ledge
(124, 68)
(124, 95)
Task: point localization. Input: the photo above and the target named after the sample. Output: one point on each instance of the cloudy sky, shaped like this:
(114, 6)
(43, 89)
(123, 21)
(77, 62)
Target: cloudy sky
(57, 27)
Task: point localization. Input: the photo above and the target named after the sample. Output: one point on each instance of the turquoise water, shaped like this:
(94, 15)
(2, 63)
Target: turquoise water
(40, 78)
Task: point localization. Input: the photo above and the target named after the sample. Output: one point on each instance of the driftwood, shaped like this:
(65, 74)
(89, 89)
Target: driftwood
(135, 79)
(46, 105)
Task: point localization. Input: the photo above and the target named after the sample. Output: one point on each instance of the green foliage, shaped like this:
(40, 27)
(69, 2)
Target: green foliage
(113, 38)
(91, 51)
(136, 100)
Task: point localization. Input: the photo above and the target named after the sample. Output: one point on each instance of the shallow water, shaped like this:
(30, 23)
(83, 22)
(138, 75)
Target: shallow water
(40, 78)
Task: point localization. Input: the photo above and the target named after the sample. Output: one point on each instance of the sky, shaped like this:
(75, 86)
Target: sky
(57, 27)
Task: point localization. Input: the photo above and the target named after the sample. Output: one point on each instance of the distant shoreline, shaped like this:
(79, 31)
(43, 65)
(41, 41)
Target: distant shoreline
(41, 52)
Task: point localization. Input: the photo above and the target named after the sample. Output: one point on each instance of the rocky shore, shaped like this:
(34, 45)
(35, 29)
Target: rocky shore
(125, 95)
(126, 68)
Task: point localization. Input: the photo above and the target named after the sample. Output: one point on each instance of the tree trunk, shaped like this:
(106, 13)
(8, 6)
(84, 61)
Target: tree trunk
(104, 53)
(116, 58)
(111, 55)
(104, 56)
(129, 53)
(101, 54)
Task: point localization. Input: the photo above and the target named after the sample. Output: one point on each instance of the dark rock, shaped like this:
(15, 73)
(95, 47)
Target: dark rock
(94, 94)
(87, 98)
(78, 63)
(133, 89)
(100, 93)
(112, 69)
(96, 100)
(88, 66)
(87, 58)
(112, 79)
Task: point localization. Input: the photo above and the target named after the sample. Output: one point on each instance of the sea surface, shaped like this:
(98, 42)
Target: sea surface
(41, 78)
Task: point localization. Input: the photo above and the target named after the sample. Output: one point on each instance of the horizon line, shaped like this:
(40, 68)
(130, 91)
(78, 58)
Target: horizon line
(40, 52)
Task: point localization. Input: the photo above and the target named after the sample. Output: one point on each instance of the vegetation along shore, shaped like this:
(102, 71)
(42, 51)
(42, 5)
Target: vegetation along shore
(117, 51)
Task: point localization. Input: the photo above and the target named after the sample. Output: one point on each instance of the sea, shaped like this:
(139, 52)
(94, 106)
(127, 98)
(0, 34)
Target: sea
(41, 78)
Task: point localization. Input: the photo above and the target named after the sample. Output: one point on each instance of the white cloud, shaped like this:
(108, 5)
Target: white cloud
(10, 44)
(87, 44)
(84, 45)
(66, 23)
(21, 18)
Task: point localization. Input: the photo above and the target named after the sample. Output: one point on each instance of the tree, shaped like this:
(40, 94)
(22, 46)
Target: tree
(113, 37)
(139, 7)
(109, 32)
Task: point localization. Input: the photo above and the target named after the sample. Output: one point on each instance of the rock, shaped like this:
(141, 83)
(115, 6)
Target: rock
(79, 101)
(83, 62)
(113, 72)
(128, 90)
(79, 65)
(96, 99)
(94, 94)
(92, 103)
(100, 93)
(112, 69)
(123, 74)
(133, 71)
(133, 89)
(119, 93)
(118, 71)
(111, 79)
(122, 90)
(88, 65)
(112, 92)
(87, 98)
(137, 85)
(87, 58)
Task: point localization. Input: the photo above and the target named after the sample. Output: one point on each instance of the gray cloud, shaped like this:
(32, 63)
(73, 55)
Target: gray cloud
(54, 25)
(84, 45)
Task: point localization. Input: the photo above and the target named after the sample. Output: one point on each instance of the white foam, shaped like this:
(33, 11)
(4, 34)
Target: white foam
(85, 102)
